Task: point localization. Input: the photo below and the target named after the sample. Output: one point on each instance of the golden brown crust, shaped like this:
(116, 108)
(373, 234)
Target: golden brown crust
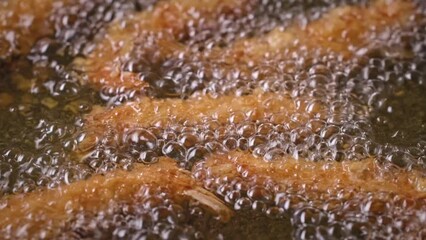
(164, 25)
(149, 112)
(22, 23)
(57, 206)
(95, 194)
(340, 32)
(335, 37)
(346, 31)
(365, 176)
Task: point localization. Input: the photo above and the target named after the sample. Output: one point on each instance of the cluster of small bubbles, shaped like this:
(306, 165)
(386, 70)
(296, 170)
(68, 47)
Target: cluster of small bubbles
(301, 136)
(315, 223)
(39, 125)
(342, 130)
(25, 171)
(50, 100)
(340, 214)
(38, 136)
(116, 96)
(393, 131)
(186, 144)
(186, 71)
(77, 24)
(365, 104)
(373, 105)
(155, 215)
(267, 15)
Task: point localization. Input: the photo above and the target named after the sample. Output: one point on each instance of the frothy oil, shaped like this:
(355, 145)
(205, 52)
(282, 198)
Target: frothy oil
(223, 119)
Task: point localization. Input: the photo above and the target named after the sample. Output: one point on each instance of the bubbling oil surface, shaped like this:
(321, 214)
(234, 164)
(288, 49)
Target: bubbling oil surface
(373, 105)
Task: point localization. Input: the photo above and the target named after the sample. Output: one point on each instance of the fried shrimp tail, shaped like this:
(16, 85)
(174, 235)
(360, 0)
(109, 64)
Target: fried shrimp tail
(96, 194)
(212, 119)
(282, 183)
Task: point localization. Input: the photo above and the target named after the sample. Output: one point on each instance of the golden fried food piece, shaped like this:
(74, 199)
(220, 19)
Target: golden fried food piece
(310, 190)
(162, 27)
(344, 31)
(22, 23)
(56, 206)
(363, 176)
(149, 112)
(347, 31)
(27, 215)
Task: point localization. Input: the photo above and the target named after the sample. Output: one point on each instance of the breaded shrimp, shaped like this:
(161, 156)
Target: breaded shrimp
(339, 32)
(57, 206)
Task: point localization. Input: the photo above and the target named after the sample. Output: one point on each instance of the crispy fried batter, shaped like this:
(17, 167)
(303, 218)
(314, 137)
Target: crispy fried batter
(148, 112)
(24, 22)
(55, 206)
(164, 27)
(340, 32)
(95, 194)
(340, 188)
(336, 38)
(360, 176)
(347, 31)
